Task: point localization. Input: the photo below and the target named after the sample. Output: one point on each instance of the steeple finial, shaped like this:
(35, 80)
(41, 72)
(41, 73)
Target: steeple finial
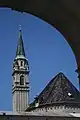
(19, 27)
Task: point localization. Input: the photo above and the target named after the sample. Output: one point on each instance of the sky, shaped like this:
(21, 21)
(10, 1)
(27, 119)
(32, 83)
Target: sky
(47, 51)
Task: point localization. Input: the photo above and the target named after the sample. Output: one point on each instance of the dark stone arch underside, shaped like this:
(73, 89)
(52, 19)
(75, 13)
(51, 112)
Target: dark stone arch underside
(61, 14)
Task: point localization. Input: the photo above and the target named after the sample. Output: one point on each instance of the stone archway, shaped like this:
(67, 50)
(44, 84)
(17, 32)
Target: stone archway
(63, 15)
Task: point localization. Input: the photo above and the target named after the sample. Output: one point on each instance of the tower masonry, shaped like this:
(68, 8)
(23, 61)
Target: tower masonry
(20, 87)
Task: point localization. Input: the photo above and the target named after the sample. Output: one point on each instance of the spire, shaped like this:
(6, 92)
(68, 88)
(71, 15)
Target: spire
(20, 47)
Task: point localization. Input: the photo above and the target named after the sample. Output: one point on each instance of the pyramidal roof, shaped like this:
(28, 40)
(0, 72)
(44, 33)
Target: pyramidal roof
(58, 90)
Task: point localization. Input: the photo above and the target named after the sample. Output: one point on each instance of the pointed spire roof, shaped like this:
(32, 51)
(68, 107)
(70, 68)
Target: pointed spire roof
(20, 47)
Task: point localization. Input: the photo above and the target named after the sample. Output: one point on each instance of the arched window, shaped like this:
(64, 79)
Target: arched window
(22, 80)
(21, 63)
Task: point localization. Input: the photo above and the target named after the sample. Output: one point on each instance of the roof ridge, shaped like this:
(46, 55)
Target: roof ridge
(54, 78)
(49, 83)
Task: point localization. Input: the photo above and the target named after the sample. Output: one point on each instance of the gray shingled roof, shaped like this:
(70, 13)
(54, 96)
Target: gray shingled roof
(58, 90)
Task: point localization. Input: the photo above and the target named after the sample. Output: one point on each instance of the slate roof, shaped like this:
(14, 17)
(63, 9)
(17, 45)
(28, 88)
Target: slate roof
(59, 90)
(20, 46)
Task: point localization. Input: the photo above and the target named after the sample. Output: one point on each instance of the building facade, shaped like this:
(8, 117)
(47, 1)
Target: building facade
(59, 100)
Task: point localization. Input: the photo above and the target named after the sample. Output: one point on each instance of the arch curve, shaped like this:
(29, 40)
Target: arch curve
(21, 80)
(63, 15)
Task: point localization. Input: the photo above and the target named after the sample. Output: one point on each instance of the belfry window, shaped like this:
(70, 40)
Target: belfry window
(22, 80)
(21, 63)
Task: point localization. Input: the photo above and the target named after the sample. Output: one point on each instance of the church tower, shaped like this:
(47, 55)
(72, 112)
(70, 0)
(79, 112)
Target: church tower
(20, 87)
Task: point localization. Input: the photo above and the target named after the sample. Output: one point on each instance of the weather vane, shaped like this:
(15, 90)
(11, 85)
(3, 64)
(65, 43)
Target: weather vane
(19, 27)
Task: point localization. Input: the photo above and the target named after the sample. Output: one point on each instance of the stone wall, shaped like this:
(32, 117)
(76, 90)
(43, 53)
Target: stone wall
(18, 117)
(55, 109)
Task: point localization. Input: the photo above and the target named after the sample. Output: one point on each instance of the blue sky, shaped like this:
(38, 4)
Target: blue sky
(46, 49)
